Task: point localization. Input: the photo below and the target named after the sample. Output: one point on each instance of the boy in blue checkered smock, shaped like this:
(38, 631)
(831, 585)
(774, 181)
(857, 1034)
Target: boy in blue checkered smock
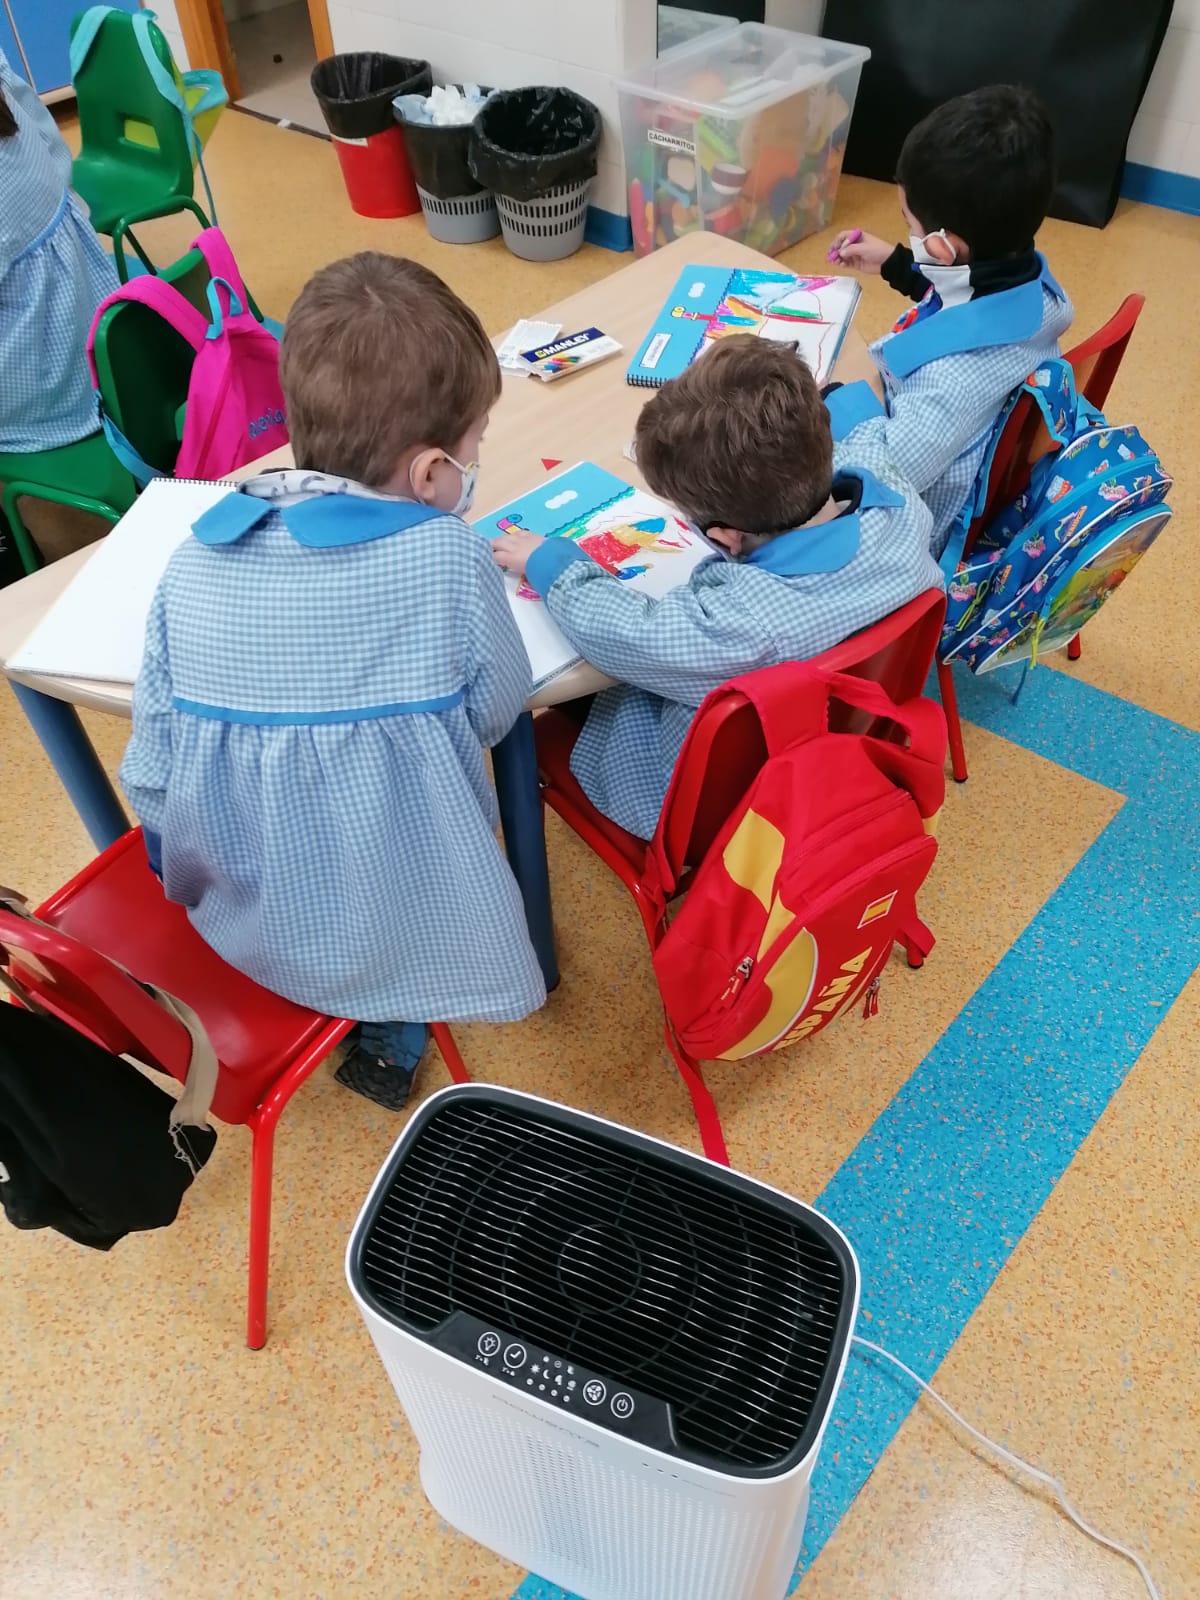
(326, 660)
(976, 178)
(54, 272)
(815, 544)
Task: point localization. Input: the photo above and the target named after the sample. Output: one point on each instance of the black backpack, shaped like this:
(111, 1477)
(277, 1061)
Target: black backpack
(88, 1144)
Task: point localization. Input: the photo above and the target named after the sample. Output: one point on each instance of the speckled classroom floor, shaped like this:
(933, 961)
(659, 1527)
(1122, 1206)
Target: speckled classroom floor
(1011, 1145)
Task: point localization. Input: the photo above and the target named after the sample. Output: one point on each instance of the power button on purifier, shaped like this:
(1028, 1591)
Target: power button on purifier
(622, 1406)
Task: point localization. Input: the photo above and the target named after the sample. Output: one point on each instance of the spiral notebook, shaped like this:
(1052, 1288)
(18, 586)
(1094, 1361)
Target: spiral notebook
(628, 532)
(96, 628)
(708, 303)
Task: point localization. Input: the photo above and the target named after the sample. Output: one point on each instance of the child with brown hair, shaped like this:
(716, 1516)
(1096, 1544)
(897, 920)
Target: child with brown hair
(815, 542)
(325, 661)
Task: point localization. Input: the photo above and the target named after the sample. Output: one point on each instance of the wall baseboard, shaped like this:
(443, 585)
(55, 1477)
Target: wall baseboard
(1175, 191)
(608, 230)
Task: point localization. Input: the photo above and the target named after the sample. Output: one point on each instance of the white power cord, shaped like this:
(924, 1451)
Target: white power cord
(1017, 1462)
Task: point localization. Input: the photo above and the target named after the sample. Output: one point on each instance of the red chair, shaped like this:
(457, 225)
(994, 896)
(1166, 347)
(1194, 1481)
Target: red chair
(724, 756)
(114, 911)
(1023, 443)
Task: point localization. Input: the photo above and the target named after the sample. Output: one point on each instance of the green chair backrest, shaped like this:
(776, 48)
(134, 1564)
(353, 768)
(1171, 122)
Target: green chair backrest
(124, 121)
(144, 367)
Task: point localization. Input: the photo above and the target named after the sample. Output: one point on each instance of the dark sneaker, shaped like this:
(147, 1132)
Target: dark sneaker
(382, 1063)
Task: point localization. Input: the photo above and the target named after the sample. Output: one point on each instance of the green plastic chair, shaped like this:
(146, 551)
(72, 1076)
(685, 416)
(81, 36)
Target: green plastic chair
(85, 475)
(140, 124)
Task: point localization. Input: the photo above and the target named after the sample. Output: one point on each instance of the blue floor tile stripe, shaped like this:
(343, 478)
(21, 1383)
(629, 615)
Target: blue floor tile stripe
(941, 1190)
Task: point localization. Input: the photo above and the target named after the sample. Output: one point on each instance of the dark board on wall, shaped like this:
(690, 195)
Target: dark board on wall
(1089, 59)
(741, 10)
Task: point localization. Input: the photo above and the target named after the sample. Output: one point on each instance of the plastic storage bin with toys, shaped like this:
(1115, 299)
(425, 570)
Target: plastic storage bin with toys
(742, 133)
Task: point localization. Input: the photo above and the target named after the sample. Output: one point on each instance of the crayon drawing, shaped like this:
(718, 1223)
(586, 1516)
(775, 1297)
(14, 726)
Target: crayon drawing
(810, 313)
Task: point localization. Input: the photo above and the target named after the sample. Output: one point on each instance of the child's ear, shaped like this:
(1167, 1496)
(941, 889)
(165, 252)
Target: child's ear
(729, 539)
(948, 249)
(420, 481)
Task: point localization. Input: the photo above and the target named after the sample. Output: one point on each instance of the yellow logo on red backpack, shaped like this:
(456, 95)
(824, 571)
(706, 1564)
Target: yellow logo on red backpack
(752, 858)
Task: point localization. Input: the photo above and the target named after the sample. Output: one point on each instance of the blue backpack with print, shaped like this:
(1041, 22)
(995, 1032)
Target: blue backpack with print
(1046, 563)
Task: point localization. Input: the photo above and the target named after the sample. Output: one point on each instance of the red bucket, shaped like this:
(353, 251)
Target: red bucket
(377, 175)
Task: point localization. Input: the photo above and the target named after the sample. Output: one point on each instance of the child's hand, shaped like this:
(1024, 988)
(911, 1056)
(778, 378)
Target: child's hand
(513, 550)
(862, 251)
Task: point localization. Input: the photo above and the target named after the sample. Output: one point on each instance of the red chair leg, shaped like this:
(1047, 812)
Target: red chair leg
(958, 756)
(262, 1157)
(261, 1165)
(1074, 649)
(918, 942)
(712, 1139)
(444, 1040)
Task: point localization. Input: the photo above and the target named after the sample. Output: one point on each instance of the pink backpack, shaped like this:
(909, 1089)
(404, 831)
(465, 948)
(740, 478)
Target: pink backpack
(235, 409)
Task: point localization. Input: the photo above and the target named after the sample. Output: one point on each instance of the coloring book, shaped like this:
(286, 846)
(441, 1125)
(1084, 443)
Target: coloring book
(628, 532)
(709, 303)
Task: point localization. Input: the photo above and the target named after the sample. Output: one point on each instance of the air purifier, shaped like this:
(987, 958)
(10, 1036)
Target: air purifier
(618, 1358)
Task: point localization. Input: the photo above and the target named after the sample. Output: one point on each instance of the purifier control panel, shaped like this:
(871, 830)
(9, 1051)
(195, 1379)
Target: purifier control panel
(558, 1381)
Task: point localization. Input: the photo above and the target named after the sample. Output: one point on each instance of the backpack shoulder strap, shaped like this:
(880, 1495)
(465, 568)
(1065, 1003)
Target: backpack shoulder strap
(214, 247)
(175, 310)
(792, 705)
(87, 26)
(1065, 412)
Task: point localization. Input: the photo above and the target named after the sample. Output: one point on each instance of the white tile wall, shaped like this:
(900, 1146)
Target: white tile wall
(168, 20)
(511, 43)
(1166, 133)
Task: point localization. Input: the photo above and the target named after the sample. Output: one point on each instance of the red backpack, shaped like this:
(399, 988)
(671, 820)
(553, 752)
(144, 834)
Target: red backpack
(791, 915)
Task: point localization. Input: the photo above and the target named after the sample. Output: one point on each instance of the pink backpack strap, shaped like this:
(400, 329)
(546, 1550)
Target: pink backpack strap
(176, 311)
(214, 247)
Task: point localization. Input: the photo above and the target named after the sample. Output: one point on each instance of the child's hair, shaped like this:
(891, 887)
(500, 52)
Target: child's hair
(741, 440)
(8, 121)
(380, 355)
(982, 166)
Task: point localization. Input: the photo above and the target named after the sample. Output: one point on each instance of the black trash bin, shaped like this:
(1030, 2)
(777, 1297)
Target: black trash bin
(355, 92)
(458, 208)
(536, 149)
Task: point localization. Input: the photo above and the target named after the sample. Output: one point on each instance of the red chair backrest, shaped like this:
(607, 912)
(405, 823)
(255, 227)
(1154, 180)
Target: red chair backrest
(1025, 440)
(725, 749)
(92, 994)
(1097, 360)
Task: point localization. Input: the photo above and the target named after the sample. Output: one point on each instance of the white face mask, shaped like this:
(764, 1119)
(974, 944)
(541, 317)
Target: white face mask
(921, 254)
(466, 495)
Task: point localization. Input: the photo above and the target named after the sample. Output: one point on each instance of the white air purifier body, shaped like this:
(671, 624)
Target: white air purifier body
(618, 1358)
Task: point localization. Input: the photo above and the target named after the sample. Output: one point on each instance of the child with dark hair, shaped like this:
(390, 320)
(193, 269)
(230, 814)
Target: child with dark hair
(975, 178)
(816, 542)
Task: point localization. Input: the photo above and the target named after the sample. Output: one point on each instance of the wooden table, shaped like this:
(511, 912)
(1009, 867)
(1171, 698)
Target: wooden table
(588, 417)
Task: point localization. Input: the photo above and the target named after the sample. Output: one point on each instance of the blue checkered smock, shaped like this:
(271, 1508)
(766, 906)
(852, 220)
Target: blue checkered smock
(946, 380)
(308, 733)
(54, 272)
(792, 598)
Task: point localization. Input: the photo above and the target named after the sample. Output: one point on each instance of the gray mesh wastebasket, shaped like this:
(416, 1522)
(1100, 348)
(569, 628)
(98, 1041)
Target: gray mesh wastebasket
(548, 228)
(536, 150)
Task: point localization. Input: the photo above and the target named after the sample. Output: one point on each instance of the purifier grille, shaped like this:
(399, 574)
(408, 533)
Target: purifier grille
(684, 1282)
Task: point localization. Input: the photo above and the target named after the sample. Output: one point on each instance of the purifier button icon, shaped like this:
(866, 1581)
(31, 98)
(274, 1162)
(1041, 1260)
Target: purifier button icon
(622, 1406)
(489, 1345)
(595, 1392)
(516, 1356)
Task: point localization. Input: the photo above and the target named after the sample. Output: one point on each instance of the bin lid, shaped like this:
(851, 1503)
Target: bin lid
(736, 72)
